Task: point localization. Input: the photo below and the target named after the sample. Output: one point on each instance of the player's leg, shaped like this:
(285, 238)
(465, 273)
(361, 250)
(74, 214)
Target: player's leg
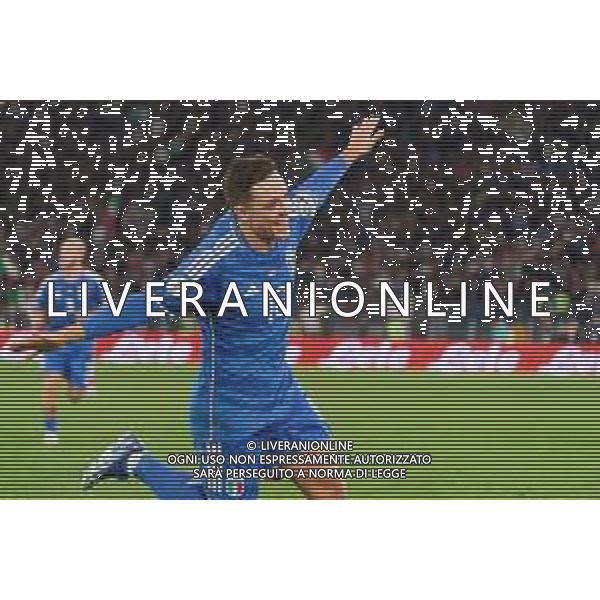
(128, 458)
(172, 484)
(53, 367)
(52, 383)
(322, 489)
(167, 483)
(79, 371)
(305, 423)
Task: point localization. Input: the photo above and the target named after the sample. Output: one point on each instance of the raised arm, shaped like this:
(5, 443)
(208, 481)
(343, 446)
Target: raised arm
(99, 323)
(363, 138)
(312, 193)
(102, 322)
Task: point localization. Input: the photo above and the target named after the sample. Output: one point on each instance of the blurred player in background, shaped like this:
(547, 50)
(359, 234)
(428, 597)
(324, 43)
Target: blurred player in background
(71, 365)
(245, 390)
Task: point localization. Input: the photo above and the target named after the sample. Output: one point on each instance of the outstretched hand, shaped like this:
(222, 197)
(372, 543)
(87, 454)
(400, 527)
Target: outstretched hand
(364, 137)
(32, 345)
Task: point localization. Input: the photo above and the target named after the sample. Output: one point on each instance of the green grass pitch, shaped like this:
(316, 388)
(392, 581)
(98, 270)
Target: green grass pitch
(490, 436)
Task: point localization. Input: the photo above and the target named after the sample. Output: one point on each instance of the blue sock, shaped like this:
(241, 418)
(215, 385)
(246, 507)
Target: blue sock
(168, 483)
(51, 425)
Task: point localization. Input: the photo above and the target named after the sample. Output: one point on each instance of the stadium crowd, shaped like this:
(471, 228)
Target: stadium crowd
(457, 191)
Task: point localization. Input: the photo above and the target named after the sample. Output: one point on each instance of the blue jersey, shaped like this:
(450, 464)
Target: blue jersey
(245, 385)
(67, 296)
(72, 361)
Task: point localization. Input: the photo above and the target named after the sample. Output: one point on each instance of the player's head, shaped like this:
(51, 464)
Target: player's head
(72, 252)
(258, 194)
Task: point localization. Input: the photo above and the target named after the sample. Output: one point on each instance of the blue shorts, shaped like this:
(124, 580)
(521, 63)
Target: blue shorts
(73, 361)
(303, 424)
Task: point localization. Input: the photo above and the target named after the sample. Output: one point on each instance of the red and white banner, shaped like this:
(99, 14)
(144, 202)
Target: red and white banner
(343, 353)
(443, 356)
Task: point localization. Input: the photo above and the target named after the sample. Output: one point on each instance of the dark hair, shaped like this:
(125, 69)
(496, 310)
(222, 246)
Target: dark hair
(243, 173)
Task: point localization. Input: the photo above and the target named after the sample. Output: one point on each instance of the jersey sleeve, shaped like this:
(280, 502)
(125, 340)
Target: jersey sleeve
(311, 194)
(199, 266)
(102, 322)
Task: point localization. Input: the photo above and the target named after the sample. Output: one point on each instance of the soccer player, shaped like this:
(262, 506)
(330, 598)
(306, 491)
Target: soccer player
(245, 390)
(68, 366)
